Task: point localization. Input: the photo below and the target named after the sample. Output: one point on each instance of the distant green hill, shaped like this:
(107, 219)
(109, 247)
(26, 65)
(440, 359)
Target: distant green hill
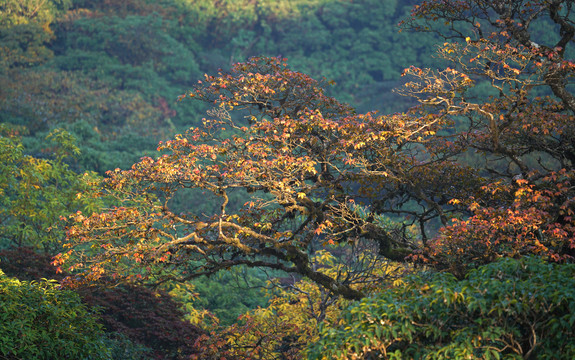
(110, 71)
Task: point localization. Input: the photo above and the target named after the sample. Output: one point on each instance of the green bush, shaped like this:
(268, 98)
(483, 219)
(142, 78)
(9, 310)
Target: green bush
(36, 192)
(40, 321)
(510, 309)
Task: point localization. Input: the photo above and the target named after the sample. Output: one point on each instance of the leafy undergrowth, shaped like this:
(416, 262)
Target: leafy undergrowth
(144, 317)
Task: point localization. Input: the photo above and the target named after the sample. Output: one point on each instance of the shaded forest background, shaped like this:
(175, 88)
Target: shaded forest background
(109, 72)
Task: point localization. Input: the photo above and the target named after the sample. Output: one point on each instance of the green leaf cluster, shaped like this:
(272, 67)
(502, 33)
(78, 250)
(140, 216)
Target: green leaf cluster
(36, 192)
(510, 309)
(40, 321)
(25, 31)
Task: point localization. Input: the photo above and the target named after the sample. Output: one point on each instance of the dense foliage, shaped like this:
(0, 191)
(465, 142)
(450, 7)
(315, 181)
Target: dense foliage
(36, 192)
(41, 321)
(282, 179)
(136, 322)
(510, 309)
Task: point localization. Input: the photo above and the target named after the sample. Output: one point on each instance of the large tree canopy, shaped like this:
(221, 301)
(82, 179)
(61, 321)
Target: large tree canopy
(519, 126)
(297, 152)
(487, 157)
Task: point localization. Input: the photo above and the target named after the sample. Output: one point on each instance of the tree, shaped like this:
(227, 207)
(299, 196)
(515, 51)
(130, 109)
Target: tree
(492, 169)
(510, 309)
(293, 150)
(520, 127)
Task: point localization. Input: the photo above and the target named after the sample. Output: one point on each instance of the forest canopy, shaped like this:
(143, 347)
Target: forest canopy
(292, 170)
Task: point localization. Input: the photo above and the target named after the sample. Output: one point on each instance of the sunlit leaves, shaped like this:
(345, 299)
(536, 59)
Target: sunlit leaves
(292, 147)
(538, 221)
(37, 193)
(509, 309)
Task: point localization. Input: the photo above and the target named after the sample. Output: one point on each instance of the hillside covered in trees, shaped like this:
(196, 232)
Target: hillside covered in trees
(303, 179)
(110, 71)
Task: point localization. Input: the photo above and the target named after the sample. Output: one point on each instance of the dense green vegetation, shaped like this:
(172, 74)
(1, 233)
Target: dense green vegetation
(110, 72)
(129, 322)
(288, 224)
(502, 310)
(42, 322)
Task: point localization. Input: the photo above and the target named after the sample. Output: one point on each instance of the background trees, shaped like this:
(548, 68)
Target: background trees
(111, 85)
(25, 31)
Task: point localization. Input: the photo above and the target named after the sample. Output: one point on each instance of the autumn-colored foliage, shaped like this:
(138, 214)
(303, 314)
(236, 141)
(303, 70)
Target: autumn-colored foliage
(538, 221)
(521, 134)
(494, 171)
(26, 264)
(296, 150)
